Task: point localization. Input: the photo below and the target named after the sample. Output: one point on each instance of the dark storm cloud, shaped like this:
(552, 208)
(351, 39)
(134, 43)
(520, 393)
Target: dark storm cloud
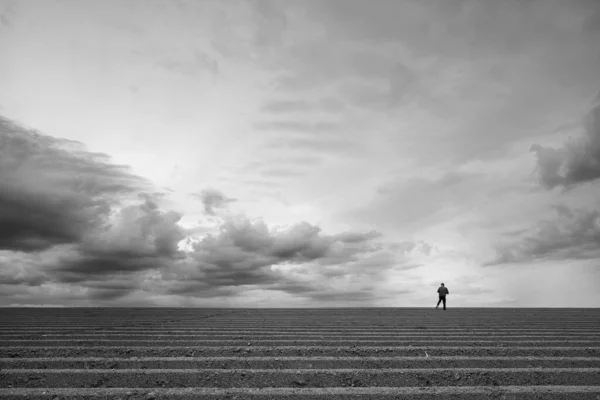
(291, 287)
(94, 231)
(64, 206)
(242, 237)
(199, 289)
(578, 161)
(213, 199)
(243, 252)
(21, 269)
(52, 191)
(9, 275)
(107, 263)
(107, 294)
(140, 237)
(573, 235)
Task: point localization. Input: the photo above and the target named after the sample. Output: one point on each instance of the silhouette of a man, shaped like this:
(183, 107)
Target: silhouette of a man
(443, 291)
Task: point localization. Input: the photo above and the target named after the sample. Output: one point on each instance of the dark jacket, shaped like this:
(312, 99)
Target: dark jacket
(443, 291)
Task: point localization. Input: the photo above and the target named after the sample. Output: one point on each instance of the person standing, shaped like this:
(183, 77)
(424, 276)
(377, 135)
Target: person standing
(442, 291)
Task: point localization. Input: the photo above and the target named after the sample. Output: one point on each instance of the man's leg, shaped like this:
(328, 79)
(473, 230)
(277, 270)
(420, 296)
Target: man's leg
(444, 299)
(439, 301)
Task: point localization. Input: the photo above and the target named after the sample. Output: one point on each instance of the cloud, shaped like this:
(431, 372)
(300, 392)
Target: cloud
(325, 104)
(246, 244)
(7, 13)
(213, 199)
(575, 163)
(70, 216)
(195, 63)
(255, 29)
(20, 269)
(385, 91)
(282, 172)
(76, 227)
(285, 106)
(450, 28)
(291, 259)
(271, 23)
(573, 235)
(411, 202)
(316, 128)
(414, 247)
(52, 191)
(592, 22)
(319, 145)
(290, 160)
(361, 75)
(468, 74)
(357, 237)
(137, 238)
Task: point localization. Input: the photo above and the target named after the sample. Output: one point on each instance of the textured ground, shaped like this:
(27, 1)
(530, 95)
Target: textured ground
(346, 353)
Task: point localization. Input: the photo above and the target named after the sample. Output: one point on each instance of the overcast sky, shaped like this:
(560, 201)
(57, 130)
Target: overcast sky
(300, 153)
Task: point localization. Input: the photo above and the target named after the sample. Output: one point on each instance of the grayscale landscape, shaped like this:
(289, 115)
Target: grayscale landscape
(266, 199)
(326, 353)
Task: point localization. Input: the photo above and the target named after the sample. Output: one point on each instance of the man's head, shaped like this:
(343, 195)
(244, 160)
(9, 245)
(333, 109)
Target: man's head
(442, 284)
